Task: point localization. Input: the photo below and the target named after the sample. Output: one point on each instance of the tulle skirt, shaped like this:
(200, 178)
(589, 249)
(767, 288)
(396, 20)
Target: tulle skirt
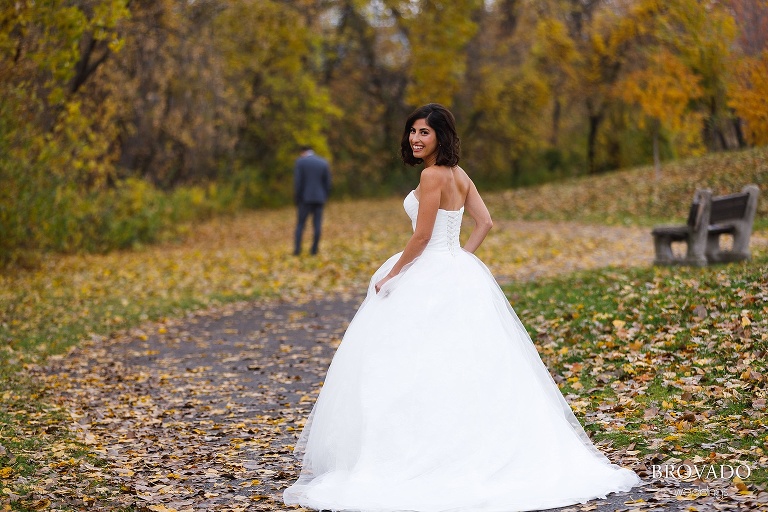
(437, 400)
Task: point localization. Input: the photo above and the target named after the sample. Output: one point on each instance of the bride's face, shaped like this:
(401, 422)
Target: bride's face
(423, 141)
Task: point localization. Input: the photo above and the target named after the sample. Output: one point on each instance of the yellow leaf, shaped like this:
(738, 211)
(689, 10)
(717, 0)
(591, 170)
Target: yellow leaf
(6, 472)
(745, 321)
(619, 323)
(41, 504)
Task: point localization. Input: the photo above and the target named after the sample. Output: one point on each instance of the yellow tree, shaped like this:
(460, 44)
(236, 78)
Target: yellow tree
(268, 48)
(178, 117)
(364, 66)
(56, 123)
(509, 100)
(748, 96)
(505, 97)
(581, 47)
(557, 57)
(51, 53)
(663, 90)
(628, 41)
(702, 35)
(438, 32)
(378, 60)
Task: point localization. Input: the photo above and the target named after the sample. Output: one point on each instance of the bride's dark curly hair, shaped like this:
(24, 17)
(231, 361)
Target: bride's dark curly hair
(441, 120)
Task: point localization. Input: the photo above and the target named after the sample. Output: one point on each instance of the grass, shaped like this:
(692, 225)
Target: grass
(667, 360)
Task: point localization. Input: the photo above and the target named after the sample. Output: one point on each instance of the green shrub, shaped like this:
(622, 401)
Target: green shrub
(58, 217)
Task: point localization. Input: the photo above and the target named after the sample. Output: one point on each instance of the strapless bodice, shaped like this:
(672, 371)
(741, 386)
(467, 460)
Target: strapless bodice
(445, 234)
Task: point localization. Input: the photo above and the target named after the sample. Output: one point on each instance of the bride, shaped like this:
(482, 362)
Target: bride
(436, 399)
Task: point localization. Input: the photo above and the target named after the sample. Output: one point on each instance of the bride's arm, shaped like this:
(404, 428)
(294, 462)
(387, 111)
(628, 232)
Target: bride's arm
(475, 207)
(429, 202)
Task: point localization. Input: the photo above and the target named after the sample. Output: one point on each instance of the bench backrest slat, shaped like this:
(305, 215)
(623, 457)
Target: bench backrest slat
(728, 207)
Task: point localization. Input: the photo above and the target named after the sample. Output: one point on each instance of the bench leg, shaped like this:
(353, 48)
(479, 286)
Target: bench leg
(696, 260)
(713, 248)
(696, 254)
(741, 245)
(663, 248)
(740, 251)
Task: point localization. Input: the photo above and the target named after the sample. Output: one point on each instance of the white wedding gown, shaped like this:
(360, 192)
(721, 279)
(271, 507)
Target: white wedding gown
(437, 400)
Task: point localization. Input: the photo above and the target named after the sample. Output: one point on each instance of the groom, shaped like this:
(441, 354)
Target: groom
(311, 186)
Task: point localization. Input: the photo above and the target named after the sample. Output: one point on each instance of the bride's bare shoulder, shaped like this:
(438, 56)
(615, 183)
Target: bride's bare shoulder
(461, 176)
(461, 172)
(434, 174)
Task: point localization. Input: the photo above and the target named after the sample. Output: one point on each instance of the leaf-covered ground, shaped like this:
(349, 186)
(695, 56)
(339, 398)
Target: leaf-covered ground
(201, 412)
(156, 408)
(669, 364)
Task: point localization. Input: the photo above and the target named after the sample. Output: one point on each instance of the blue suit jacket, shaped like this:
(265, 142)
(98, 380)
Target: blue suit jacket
(311, 180)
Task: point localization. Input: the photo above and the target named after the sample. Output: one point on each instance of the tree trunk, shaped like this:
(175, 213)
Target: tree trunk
(515, 174)
(594, 124)
(656, 160)
(86, 67)
(556, 112)
(739, 133)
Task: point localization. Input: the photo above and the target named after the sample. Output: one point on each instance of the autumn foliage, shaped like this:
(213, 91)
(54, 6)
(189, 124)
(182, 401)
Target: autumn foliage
(749, 95)
(120, 120)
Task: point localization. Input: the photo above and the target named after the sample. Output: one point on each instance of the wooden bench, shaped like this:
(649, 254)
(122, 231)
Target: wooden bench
(708, 219)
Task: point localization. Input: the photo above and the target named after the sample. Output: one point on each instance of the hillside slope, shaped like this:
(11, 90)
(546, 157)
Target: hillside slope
(633, 197)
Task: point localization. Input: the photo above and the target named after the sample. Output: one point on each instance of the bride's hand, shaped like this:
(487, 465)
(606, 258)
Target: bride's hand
(381, 283)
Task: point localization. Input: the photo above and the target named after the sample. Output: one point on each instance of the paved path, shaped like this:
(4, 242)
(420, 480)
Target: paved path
(200, 413)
